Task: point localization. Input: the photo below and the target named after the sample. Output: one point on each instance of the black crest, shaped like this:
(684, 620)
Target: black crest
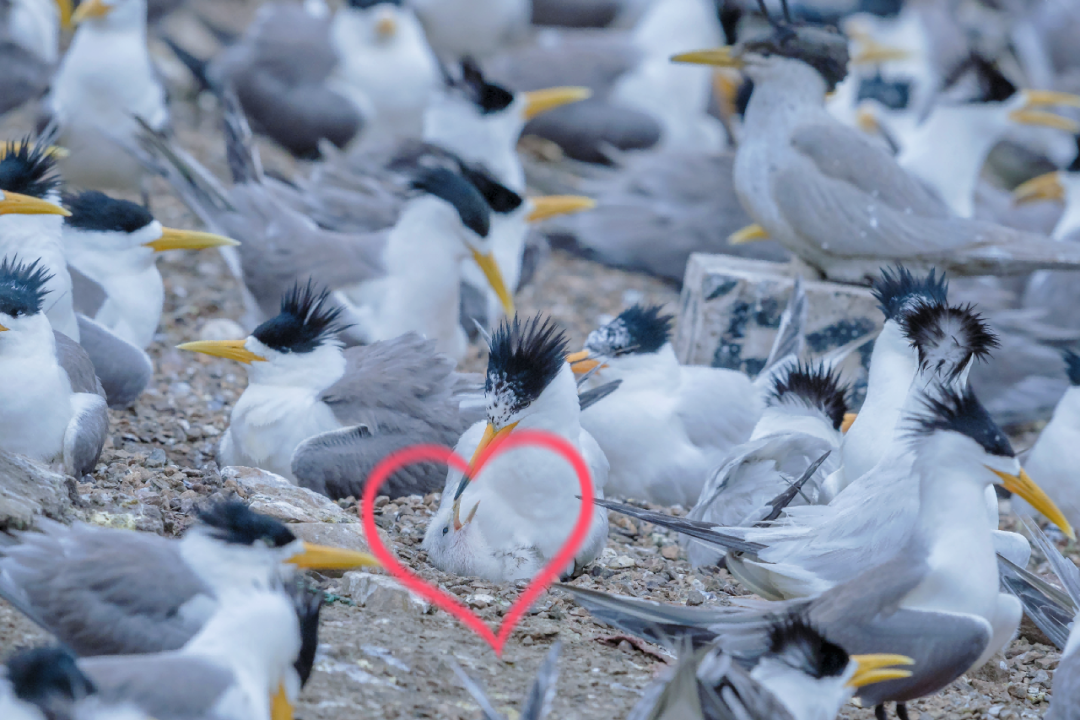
(235, 523)
(993, 85)
(897, 288)
(947, 338)
(22, 287)
(823, 49)
(305, 322)
(1072, 366)
(637, 330)
(945, 408)
(816, 387)
(793, 640)
(488, 97)
(28, 169)
(524, 358)
(97, 212)
(46, 675)
(448, 185)
(500, 198)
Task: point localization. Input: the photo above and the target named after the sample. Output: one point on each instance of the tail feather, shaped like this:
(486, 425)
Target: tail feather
(703, 531)
(590, 397)
(1064, 568)
(661, 624)
(784, 499)
(195, 65)
(243, 156)
(1047, 606)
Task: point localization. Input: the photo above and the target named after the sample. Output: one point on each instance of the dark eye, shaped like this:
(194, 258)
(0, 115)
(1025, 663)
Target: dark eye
(446, 530)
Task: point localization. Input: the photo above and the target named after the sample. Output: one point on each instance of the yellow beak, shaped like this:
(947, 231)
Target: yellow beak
(492, 438)
(3, 329)
(581, 362)
(188, 240)
(873, 53)
(875, 668)
(720, 57)
(540, 101)
(65, 7)
(230, 349)
(280, 706)
(1026, 488)
(90, 9)
(554, 205)
(17, 204)
(849, 420)
(867, 121)
(323, 557)
(750, 233)
(1036, 98)
(1044, 187)
(494, 277)
(1044, 119)
(386, 27)
(725, 87)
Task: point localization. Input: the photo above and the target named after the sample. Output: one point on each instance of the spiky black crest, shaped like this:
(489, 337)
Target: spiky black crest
(897, 289)
(945, 408)
(524, 358)
(821, 48)
(28, 168)
(947, 338)
(500, 198)
(488, 97)
(22, 287)
(793, 640)
(232, 521)
(452, 187)
(305, 322)
(97, 212)
(46, 675)
(637, 330)
(816, 387)
(1072, 367)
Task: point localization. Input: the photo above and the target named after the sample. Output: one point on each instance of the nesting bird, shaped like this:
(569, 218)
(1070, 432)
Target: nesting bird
(519, 508)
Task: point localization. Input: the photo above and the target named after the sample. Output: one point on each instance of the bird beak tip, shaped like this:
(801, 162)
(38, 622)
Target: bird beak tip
(324, 557)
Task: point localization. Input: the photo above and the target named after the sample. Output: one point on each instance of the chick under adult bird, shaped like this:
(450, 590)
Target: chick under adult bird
(833, 197)
(519, 508)
(52, 407)
(111, 247)
(800, 676)
(936, 601)
(104, 81)
(103, 591)
(323, 416)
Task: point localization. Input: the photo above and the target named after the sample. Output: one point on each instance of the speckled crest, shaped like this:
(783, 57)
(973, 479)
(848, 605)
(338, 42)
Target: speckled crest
(823, 49)
(524, 358)
(947, 338)
(637, 330)
(898, 290)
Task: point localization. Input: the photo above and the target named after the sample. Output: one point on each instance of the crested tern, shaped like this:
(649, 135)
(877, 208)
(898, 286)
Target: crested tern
(833, 197)
(519, 508)
(111, 246)
(937, 601)
(324, 416)
(104, 80)
(52, 407)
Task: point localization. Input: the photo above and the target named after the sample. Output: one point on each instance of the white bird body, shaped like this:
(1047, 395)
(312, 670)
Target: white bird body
(1052, 460)
(38, 237)
(104, 79)
(281, 407)
(390, 72)
(695, 414)
(35, 25)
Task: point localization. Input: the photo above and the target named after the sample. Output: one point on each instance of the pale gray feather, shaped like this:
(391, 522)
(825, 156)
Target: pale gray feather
(73, 358)
(86, 295)
(26, 76)
(166, 686)
(123, 369)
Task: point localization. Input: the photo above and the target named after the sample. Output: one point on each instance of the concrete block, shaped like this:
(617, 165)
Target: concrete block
(730, 309)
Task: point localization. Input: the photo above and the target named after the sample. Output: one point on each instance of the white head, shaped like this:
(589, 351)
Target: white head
(383, 22)
(634, 338)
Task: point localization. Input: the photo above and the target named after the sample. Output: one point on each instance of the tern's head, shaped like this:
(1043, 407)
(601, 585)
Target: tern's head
(962, 438)
(814, 677)
(813, 389)
(49, 679)
(898, 291)
(507, 205)
(124, 233)
(299, 345)
(233, 546)
(22, 296)
(948, 339)
(28, 168)
(115, 14)
(381, 21)
(638, 330)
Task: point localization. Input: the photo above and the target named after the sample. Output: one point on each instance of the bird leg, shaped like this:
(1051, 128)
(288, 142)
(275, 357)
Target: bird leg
(901, 711)
(879, 712)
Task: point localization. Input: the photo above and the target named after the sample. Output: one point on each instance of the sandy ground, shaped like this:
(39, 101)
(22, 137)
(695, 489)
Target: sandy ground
(392, 658)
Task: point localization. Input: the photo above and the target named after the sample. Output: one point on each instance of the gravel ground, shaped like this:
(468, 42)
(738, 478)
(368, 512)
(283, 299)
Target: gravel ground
(382, 653)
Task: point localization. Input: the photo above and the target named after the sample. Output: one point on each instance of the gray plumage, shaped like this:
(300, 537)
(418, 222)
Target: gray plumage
(537, 704)
(78, 581)
(86, 294)
(575, 13)
(123, 369)
(89, 426)
(393, 394)
(167, 687)
(25, 76)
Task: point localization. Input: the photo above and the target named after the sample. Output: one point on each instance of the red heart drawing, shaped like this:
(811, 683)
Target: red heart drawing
(445, 455)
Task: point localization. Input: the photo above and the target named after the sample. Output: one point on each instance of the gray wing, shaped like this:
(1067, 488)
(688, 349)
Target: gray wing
(589, 130)
(594, 59)
(86, 433)
(393, 394)
(1051, 610)
(538, 702)
(103, 591)
(576, 13)
(166, 687)
(86, 294)
(1065, 704)
(25, 75)
(123, 369)
(77, 364)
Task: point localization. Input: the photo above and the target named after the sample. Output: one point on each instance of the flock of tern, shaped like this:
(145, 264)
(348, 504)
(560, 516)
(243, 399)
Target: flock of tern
(909, 146)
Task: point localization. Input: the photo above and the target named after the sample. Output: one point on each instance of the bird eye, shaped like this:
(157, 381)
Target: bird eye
(446, 530)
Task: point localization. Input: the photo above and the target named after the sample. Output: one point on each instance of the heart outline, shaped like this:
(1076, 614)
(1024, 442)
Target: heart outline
(446, 456)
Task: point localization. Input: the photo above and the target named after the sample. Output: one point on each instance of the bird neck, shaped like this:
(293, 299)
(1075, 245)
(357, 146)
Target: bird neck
(784, 91)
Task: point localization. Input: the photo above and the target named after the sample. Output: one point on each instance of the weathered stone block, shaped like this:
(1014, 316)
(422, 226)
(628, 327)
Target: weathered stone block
(28, 490)
(275, 496)
(382, 593)
(730, 309)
